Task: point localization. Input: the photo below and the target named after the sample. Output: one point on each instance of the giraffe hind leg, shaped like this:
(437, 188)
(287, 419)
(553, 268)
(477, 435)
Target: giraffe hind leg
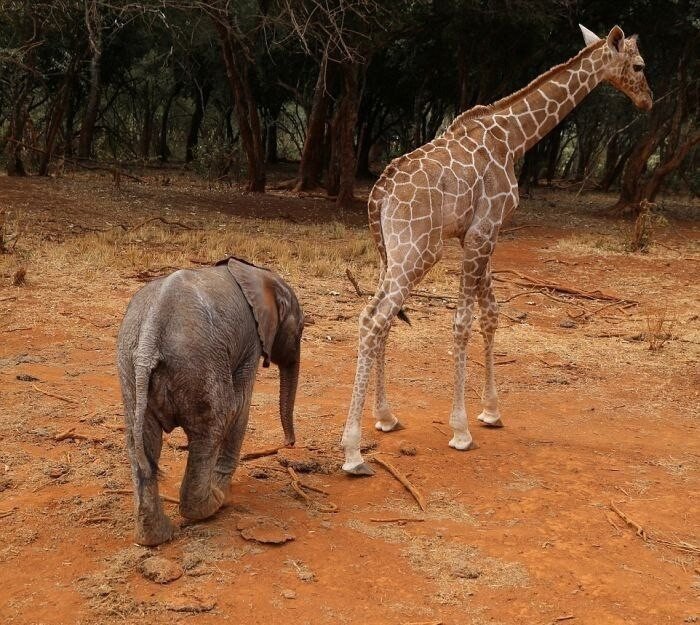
(488, 320)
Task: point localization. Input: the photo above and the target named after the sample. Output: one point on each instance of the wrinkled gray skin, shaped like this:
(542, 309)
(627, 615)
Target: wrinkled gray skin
(187, 353)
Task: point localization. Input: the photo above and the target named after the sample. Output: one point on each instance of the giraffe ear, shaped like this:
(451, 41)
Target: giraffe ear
(616, 39)
(589, 37)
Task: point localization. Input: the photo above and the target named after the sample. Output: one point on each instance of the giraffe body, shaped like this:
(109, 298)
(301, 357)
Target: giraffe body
(462, 185)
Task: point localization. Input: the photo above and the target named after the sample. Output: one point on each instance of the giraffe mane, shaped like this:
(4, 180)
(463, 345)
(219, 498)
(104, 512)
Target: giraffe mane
(481, 110)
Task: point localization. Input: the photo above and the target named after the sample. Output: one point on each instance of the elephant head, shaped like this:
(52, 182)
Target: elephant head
(280, 322)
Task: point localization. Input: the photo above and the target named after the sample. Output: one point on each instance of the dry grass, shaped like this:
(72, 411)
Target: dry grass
(659, 328)
(318, 250)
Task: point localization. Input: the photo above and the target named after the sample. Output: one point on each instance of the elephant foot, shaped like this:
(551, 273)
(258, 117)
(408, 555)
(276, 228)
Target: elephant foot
(198, 510)
(492, 419)
(150, 534)
(359, 470)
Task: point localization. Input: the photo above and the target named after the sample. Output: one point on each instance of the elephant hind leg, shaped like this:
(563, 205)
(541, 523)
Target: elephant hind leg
(200, 497)
(153, 526)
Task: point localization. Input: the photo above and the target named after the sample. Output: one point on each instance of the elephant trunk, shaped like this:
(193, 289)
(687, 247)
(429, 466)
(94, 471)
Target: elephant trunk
(289, 377)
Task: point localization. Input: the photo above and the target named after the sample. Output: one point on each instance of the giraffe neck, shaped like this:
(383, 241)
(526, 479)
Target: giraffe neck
(535, 110)
(529, 114)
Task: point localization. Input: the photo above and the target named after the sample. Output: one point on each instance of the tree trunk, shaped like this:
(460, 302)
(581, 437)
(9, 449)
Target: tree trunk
(347, 121)
(271, 155)
(200, 107)
(311, 164)
(87, 130)
(56, 118)
(672, 162)
(163, 149)
(237, 69)
(147, 128)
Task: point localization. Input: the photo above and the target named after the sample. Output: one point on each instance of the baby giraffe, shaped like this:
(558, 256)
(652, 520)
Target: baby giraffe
(463, 185)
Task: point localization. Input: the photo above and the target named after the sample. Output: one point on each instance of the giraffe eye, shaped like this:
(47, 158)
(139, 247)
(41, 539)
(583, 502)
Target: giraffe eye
(638, 67)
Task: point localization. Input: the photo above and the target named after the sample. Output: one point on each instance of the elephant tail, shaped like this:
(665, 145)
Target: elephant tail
(143, 379)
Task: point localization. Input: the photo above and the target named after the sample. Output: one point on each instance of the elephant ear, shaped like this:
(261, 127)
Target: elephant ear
(258, 286)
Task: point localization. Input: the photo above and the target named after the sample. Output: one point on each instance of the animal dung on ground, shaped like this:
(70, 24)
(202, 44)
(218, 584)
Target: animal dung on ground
(265, 530)
(160, 570)
(298, 459)
(407, 449)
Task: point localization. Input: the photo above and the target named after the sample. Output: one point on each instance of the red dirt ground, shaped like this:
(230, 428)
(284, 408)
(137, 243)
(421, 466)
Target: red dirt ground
(520, 530)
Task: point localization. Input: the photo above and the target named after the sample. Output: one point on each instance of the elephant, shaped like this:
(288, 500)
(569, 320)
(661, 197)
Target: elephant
(188, 350)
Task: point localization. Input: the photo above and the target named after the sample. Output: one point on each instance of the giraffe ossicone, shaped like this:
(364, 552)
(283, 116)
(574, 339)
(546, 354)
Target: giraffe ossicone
(463, 185)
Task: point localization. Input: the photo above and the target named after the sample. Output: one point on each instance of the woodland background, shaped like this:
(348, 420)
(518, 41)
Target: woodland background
(335, 88)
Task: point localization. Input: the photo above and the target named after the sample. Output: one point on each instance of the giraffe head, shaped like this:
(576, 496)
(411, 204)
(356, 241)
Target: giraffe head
(624, 66)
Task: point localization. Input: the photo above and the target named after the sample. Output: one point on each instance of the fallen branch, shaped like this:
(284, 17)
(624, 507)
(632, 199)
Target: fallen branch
(639, 530)
(64, 435)
(70, 400)
(403, 479)
(165, 221)
(398, 519)
(260, 454)
(354, 283)
(530, 281)
(566, 617)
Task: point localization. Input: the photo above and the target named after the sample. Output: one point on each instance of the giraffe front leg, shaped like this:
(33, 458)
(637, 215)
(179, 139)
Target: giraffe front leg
(385, 419)
(462, 438)
(488, 320)
(352, 434)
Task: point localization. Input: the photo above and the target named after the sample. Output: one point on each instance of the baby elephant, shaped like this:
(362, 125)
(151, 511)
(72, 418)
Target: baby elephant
(188, 350)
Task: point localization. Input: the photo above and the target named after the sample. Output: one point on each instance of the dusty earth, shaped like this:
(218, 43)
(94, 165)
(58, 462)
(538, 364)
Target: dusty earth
(528, 528)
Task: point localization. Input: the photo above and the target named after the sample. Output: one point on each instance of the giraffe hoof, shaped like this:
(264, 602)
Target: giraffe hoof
(493, 420)
(360, 470)
(395, 427)
(462, 445)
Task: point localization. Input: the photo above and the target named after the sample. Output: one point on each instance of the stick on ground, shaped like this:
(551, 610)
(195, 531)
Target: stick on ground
(70, 400)
(403, 479)
(260, 453)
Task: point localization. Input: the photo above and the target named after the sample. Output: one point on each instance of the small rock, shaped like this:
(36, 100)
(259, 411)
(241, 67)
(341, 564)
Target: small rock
(520, 315)
(259, 474)
(368, 446)
(25, 377)
(466, 573)
(192, 604)
(264, 530)
(567, 323)
(160, 570)
(57, 471)
(407, 449)
(288, 593)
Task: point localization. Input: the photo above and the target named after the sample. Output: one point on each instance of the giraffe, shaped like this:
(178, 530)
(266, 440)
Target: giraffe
(463, 185)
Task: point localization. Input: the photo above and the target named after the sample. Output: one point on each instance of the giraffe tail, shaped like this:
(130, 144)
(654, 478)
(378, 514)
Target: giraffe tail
(403, 316)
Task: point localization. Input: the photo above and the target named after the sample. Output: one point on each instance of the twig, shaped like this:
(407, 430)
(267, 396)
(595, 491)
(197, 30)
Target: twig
(18, 329)
(354, 283)
(403, 479)
(165, 221)
(439, 429)
(512, 297)
(566, 617)
(639, 530)
(64, 435)
(8, 299)
(7, 512)
(424, 295)
(70, 400)
(297, 485)
(97, 519)
(126, 491)
(509, 230)
(526, 280)
(260, 454)
(398, 519)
